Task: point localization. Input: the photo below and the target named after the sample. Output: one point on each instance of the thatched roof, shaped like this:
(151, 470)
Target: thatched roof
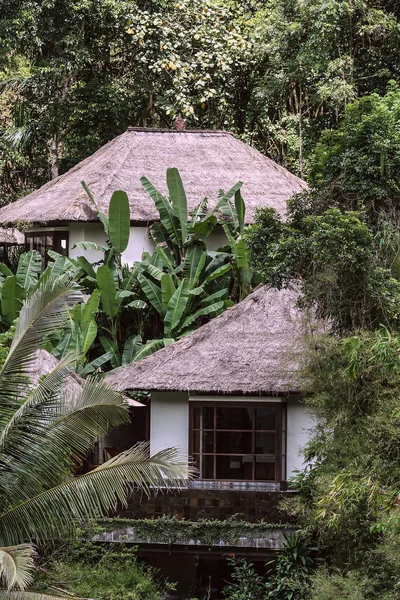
(11, 236)
(207, 162)
(45, 362)
(251, 348)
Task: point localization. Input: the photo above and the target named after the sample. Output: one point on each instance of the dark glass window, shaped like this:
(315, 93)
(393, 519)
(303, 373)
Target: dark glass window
(238, 443)
(43, 242)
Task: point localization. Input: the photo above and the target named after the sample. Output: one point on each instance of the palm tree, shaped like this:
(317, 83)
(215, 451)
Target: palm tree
(46, 428)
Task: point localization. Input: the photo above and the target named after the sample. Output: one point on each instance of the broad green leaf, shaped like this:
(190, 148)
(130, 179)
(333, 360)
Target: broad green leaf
(86, 266)
(90, 309)
(241, 254)
(140, 304)
(219, 295)
(90, 246)
(167, 217)
(12, 297)
(154, 271)
(119, 217)
(29, 269)
(176, 307)
(213, 309)
(148, 348)
(219, 272)
(167, 289)
(108, 291)
(153, 293)
(167, 257)
(111, 347)
(240, 210)
(204, 227)
(95, 364)
(88, 336)
(5, 270)
(131, 348)
(196, 255)
(178, 199)
(224, 198)
(197, 291)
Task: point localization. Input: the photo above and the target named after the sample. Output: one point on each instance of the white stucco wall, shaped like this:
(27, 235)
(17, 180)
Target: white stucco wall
(169, 421)
(139, 242)
(86, 232)
(299, 424)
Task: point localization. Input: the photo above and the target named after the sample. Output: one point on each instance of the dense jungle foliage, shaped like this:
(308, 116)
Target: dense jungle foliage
(73, 75)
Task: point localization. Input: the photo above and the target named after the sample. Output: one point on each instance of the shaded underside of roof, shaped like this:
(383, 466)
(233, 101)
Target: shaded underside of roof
(254, 347)
(208, 161)
(11, 236)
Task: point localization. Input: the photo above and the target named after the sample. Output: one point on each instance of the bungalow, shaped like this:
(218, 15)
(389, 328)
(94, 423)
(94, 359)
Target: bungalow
(60, 214)
(229, 394)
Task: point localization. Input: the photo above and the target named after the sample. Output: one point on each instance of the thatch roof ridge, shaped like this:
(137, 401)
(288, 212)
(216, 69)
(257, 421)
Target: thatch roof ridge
(207, 160)
(251, 348)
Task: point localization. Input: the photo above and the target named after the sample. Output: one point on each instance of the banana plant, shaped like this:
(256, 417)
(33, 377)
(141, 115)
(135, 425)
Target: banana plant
(16, 287)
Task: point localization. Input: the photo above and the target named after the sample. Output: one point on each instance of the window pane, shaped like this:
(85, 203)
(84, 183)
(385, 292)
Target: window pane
(203, 442)
(235, 467)
(265, 468)
(234, 442)
(204, 417)
(235, 417)
(265, 443)
(265, 417)
(205, 465)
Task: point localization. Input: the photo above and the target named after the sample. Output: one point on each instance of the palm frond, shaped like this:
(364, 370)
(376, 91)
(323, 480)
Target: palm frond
(16, 565)
(41, 314)
(94, 494)
(54, 434)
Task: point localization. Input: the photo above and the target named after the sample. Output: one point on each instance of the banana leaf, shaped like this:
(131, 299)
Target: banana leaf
(111, 347)
(167, 289)
(240, 210)
(29, 269)
(90, 309)
(88, 336)
(213, 309)
(176, 307)
(12, 297)
(148, 348)
(119, 221)
(108, 291)
(167, 217)
(178, 199)
(131, 348)
(153, 293)
(195, 256)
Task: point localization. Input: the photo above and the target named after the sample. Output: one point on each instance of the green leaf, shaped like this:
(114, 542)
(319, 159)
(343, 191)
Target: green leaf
(213, 309)
(12, 297)
(111, 347)
(154, 271)
(90, 246)
(119, 221)
(167, 217)
(139, 304)
(5, 270)
(131, 347)
(204, 227)
(219, 295)
(148, 348)
(167, 289)
(108, 291)
(176, 307)
(153, 293)
(224, 198)
(219, 272)
(193, 264)
(29, 269)
(240, 210)
(178, 199)
(88, 336)
(95, 364)
(90, 309)
(86, 266)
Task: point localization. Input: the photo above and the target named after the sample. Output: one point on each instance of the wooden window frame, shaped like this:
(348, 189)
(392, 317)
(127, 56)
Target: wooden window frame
(280, 408)
(55, 235)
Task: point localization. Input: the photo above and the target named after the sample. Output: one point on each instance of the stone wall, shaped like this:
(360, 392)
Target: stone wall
(195, 504)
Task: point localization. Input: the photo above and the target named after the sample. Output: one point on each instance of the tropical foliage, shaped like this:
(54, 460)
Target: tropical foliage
(47, 427)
